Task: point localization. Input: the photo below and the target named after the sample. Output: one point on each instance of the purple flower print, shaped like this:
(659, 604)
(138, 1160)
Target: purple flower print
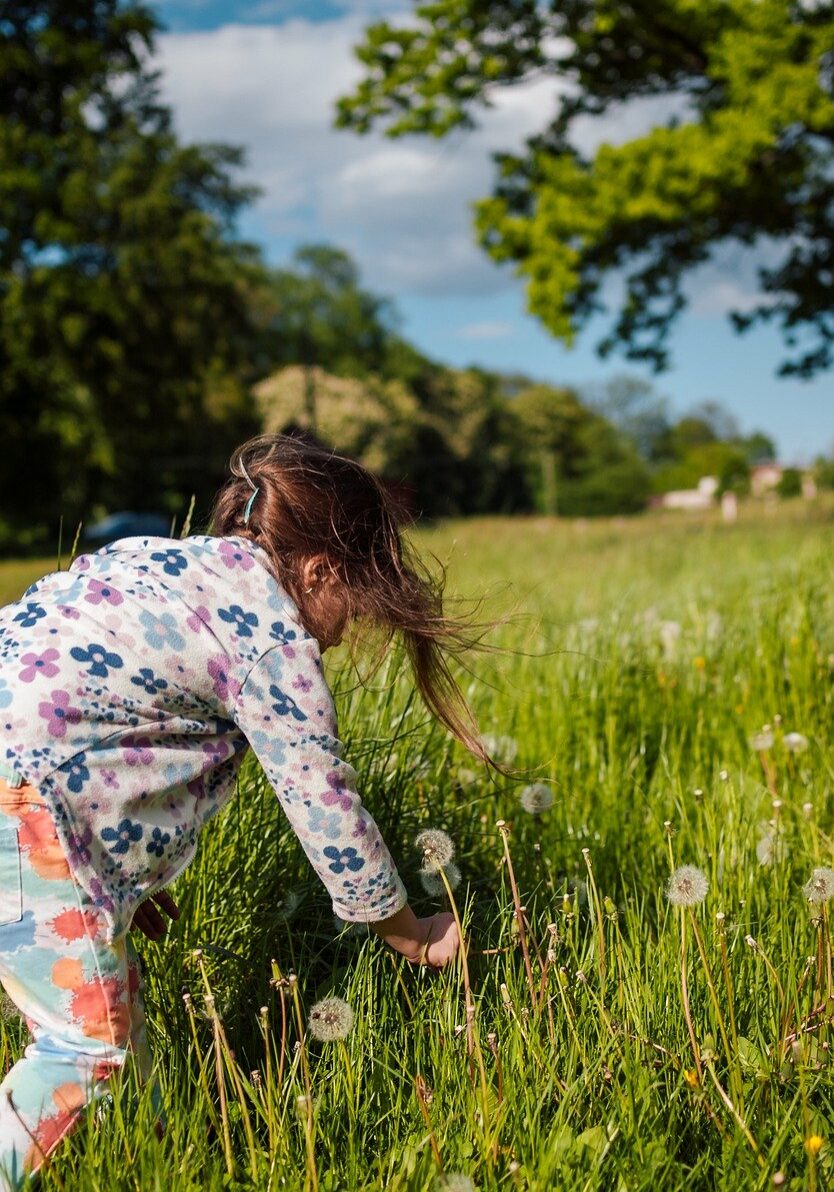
(39, 664)
(147, 679)
(82, 563)
(108, 777)
(199, 618)
(137, 751)
(78, 773)
(284, 704)
(58, 713)
(79, 850)
(224, 685)
(174, 561)
(235, 556)
(161, 631)
(242, 621)
(302, 683)
(344, 858)
(99, 591)
(337, 793)
(216, 750)
(101, 660)
(126, 834)
(30, 615)
(101, 899)
(66, 610)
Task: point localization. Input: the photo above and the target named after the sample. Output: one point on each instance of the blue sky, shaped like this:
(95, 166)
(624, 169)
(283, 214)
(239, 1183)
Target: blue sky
(264, 74)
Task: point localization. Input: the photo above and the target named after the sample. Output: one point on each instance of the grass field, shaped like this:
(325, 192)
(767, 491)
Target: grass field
(638, 1044)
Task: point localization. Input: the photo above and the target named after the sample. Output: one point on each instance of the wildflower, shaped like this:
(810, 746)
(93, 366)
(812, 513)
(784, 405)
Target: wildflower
(814, 1144)
(437, 848)
(331, 1018)
(687, 886)
(502, 748)
(820, 886)
(432, 881)
(455, 1181)
(691, 1077)
(795, 742)
(761, 741)
(536, 798)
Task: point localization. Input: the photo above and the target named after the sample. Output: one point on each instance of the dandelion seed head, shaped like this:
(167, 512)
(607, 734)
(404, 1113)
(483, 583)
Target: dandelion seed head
(432, 881)
(502, 748)
(465, 776)
(759, 742)
(820, 885)
(331, 1018)
(795, 742)
(536, 798)
(687, 886)
(361, 930)
(289, 904)
(437, 848)
(724, 775)
(455, 1181)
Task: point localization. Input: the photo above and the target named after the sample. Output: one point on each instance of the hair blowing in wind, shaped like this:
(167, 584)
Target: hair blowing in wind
(312, 500)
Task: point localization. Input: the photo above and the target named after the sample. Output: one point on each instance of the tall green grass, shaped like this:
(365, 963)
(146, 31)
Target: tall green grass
(648, 653)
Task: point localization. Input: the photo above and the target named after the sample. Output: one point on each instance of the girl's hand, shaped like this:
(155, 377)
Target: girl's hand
(433, 941)
(148, 919)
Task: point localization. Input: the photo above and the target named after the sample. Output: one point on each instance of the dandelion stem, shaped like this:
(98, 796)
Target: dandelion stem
(732, 1056)
(522, 933)
(685, 997)
(740, 1122)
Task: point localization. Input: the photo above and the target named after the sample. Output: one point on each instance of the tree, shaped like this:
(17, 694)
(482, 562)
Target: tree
(744, 155)
(124, 296)
(790, 483)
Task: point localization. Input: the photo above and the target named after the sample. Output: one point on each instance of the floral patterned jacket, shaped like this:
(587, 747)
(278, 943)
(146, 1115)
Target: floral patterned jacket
(131, 686)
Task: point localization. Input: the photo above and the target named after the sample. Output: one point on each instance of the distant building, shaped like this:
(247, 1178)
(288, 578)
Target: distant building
(701, 497)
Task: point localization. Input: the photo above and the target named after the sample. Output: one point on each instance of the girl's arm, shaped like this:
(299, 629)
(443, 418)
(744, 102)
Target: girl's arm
(433, 941)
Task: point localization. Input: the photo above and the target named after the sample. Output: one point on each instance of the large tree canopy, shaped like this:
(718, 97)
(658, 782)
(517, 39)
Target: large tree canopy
(122, 290)
(745, 154)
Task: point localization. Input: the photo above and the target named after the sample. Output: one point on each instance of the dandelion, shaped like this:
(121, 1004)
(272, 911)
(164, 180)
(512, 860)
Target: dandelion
(437, 848)
(670, 631)
(465, 776)
(432, 881)
(820, 886)
(795, 742)
(502, 748)
(455, 1181)
(331, 1018)
(289, 904)
(536, 798)
(724, 775)
(814, 1144)
(687, 886)
(759, 742)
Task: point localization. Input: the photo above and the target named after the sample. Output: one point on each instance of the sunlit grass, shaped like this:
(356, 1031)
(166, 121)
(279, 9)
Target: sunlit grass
(641, 1042)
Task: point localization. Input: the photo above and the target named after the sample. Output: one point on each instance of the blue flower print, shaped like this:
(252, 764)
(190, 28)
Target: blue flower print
(5, 695)
(30, 615)
(123, 836)
(99, 657)
(281, 635)
(161, 631)
(78, 773)
(158, 840)
(236, 616)
(327, 823)
(284, 705)
(149, 681)
(174, 561)
(341, 859)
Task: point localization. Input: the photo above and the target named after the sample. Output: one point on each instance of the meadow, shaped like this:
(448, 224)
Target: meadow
(667, 695)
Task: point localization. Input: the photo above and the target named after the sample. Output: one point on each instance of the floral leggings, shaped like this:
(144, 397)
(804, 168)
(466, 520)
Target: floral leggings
(80, 996)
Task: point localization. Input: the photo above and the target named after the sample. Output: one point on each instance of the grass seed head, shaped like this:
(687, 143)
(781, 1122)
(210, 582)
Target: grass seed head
(330, 1019)
(437, 848)
(432, 881)
(687, 886)
(536, 798)
(820, 885)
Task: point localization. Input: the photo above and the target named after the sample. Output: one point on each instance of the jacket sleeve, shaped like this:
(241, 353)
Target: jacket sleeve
(286, 711)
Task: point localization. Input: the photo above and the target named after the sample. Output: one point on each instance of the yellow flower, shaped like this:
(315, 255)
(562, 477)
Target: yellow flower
(699, 662)
(691, 1077)
(814, 1144)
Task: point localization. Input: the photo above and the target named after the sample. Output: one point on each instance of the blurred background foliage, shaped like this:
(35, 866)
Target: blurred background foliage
(141, 338)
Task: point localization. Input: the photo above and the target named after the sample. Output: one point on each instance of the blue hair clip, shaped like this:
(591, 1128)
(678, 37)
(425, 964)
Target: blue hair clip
(248, 508)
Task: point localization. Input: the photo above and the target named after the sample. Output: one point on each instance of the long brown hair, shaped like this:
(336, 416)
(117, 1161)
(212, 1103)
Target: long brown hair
(313, 500)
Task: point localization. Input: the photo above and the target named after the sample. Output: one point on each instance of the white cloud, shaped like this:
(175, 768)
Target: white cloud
(497, 329)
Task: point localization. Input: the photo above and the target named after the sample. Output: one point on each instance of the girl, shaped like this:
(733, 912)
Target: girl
(131, 685)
